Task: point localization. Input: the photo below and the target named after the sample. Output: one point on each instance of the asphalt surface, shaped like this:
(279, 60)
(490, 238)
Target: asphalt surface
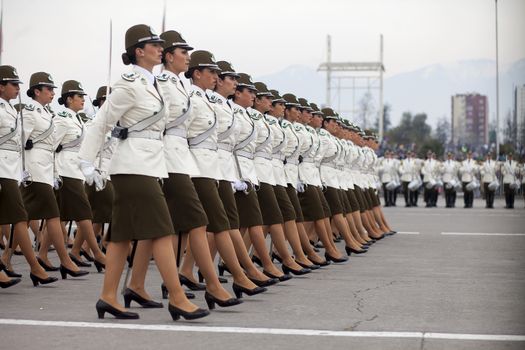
(419, 281)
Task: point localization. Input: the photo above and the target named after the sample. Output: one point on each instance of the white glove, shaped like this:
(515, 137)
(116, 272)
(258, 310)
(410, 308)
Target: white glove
(239, 186)
(88, 169)
(300, 186)
(57, 183)
(26, 176)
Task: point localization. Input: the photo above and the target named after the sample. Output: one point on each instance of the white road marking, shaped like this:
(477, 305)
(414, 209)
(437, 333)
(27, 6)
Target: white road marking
(269, 331)
(407, 233)
(480, 234)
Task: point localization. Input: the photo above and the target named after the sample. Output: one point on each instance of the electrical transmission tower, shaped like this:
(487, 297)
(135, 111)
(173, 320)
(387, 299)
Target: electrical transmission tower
(361, 75)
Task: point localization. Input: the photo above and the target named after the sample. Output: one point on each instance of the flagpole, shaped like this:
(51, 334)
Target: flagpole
(164, 18)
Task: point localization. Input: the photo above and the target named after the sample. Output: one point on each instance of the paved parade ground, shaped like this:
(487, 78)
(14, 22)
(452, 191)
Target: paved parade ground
(451, 279)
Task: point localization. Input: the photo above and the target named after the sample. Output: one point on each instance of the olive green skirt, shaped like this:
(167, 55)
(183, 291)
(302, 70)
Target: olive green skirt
(139, 209)
(228, 201)
(361, 199)
(352, 199)
(332, 197)
(285, 205)
(324, 203)
(101, 202)
(208, 192)
(73, 202)
(183, 202)
(292, 194)
(12, 209)
(311, 205)
(271, 213)
(248, 207)
(40, 201)
(344, 201)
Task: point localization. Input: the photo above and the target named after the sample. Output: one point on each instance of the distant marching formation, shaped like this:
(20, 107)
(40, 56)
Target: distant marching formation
(411, 174)
(180, 173)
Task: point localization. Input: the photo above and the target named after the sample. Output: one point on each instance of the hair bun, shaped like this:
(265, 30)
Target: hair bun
(61, 100)
(125, 59)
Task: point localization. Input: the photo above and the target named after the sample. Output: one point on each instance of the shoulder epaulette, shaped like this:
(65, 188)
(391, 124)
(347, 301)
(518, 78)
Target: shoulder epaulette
(163, 77)
(298, 127)
(130, 76)
(64, 114)
(322, 132)
(29, 107)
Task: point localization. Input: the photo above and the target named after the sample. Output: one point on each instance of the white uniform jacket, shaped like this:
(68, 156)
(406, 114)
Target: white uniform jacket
(279, 143)
(509, 169)
(227, 135)
(263, 148)
(179, 159)
(468, 170)
(449, 170)
(245, 146)
(10, 142)
(133, 99)
(69, 132)
(39, 127)
(488, 171)
(329, 153)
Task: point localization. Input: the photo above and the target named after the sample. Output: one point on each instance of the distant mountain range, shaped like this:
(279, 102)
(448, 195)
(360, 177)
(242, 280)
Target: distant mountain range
(428, 89)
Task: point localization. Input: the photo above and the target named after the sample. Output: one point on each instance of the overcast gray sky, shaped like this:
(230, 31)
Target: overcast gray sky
(69, 38)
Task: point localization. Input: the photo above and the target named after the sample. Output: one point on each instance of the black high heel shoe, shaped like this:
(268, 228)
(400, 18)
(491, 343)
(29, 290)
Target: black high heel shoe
(238, 290)
(300, 272)
(86, 255)
(36, 280)
(257, 261)
(130, 295)
(265, 283)
(64, 271)
(165, 292)
(222, 267)
(282, 278)
(79, 262)
(311, 267)
(10, 283)
(312, 243)
(190, 284)
(335, 260)
(46, 267)
(211, 300)
(103, 307)
(100, 266)
(350, 250)
(276, 257)
(201, 278)
(176, 313)
(9, 273)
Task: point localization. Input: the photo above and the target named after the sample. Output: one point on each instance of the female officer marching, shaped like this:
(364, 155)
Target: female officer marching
(140, 211)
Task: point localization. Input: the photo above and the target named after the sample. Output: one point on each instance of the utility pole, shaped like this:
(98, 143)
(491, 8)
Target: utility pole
(328, 70)
(381, 108)
(497, 84)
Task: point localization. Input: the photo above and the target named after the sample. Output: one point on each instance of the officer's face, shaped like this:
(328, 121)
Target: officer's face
(306, 116)
(179, 59)
(76, 103)
(9, 91)
(277, 110)
(208, 78)
(316, 121)
(292, 114)
(266, 103)
(227, 84)
(45, 96)
(151, 54)
(245, 98)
